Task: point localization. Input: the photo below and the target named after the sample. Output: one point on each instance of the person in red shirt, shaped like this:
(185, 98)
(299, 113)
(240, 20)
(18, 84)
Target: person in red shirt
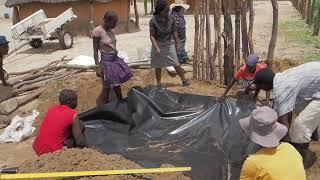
(60, 123)
(245, 75)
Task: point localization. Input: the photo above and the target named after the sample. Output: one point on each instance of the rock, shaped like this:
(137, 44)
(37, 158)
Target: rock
(67, 58)
(7, 107)
(4, 121)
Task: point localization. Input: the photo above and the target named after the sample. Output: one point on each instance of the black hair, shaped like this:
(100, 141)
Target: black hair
(67, 96)
(110, 16)
(160, 6)
(264, 76)
(177, 8)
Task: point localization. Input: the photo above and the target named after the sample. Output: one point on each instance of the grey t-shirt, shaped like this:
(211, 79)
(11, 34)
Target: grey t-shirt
(162, 30)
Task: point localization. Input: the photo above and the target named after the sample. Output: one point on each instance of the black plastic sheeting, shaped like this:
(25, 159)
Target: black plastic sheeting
(154, 126)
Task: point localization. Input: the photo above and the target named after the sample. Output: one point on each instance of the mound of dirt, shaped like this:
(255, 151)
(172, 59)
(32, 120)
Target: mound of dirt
(69, 160)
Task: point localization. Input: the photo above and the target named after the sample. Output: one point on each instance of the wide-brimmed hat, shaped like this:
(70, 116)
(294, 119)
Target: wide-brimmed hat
(262, 127)
(179, 3)
(3, 40)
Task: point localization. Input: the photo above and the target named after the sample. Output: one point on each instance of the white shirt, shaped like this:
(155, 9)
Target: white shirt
(294, 86)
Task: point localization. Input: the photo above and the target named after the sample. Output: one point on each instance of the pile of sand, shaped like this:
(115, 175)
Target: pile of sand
(69, 160)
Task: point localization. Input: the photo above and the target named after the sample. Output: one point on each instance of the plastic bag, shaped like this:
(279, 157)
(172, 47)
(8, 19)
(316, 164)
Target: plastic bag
(20, 129)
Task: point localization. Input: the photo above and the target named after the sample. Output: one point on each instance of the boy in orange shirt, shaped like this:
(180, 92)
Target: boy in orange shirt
(245, 75)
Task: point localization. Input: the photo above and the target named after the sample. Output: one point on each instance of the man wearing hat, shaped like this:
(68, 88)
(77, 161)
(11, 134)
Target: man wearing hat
(274, 160)
(178, 8)
(296, 90)
(245, 75)
(4, 49)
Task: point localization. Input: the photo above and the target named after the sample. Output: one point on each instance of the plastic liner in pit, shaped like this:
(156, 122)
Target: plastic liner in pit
(156, 126)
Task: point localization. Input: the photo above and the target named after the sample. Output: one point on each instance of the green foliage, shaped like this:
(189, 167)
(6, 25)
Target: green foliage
(298, 31)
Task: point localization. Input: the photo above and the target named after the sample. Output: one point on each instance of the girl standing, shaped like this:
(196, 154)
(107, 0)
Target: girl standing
(111, 68)
(165, 42)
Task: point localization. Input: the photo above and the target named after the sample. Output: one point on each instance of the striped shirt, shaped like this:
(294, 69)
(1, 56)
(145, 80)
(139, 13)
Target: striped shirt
(293, 87)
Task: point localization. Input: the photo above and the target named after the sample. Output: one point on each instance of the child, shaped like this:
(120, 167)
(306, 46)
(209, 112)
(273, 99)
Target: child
(245, 75)
(111, 68)
(4, 48)
(60, 123)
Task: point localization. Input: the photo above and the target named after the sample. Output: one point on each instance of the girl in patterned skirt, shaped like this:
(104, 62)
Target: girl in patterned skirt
(111, 68)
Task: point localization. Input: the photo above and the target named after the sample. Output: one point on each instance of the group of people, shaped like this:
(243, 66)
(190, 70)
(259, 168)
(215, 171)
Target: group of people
(284, 142)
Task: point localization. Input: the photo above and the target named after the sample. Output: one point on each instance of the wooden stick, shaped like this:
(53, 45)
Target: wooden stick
(250, 34)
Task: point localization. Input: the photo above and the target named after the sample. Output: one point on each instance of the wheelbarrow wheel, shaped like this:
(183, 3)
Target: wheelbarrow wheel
(65, 40)
(35, 43)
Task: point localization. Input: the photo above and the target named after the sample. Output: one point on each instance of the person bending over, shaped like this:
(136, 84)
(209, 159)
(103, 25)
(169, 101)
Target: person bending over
(245, 75)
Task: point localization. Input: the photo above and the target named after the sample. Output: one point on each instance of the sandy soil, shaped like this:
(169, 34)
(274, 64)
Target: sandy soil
(69, 160)
(87, 85)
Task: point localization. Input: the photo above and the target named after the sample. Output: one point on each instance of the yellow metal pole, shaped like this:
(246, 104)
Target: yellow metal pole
(93, 173)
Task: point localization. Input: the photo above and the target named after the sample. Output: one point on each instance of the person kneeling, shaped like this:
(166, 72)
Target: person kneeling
(60, 123)
(274, 160)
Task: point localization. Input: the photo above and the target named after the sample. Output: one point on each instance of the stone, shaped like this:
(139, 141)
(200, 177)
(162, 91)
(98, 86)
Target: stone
(4, 121)
(7, 107)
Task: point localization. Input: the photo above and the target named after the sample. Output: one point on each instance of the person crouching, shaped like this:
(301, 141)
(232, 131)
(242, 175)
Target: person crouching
(60, 123)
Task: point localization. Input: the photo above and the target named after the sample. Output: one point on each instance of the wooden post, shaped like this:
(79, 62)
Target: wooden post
(237, 35)
(145, 3)
(91, 23)
(202, 27)
(304, 9)
(274, 34)
(15, 15)
(273, 41)
(128, 17)
(196, 40)
(228, 44)
(317, 24)
(244, 29)
(136, 13)
(311, 14)
(250, 35)
(308, 11)
(211, 73)
(152, 6)
(219, 31)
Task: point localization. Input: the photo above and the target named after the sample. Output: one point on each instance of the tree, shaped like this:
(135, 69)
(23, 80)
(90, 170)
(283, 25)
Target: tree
(136, 13)
(145, 3)
(274, 35)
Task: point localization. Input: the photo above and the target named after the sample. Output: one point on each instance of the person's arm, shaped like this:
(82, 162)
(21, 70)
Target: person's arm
(96, 41)
(286, 120)
(227, 90)
(249, 170)
(77, 133)
(256, 93)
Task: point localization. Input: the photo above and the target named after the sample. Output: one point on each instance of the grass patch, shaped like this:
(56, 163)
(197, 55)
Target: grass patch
(298, 31)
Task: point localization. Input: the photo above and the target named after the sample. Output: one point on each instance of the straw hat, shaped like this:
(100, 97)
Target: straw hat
(262, 127)
(179, 3)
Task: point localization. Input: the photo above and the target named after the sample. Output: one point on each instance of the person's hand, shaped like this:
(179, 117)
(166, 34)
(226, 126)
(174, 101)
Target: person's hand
(98, 71)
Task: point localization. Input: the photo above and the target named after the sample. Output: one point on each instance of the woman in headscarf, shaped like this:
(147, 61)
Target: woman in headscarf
(165, 42)
(111, 68)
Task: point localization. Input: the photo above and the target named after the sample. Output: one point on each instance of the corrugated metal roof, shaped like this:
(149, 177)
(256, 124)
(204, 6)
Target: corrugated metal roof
(12, 3)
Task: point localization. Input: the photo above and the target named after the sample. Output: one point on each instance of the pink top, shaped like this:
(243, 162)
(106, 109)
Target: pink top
(108, 40)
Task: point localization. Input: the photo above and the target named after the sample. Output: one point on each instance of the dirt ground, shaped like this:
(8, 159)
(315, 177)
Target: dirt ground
(69, 160)
(88, 87)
